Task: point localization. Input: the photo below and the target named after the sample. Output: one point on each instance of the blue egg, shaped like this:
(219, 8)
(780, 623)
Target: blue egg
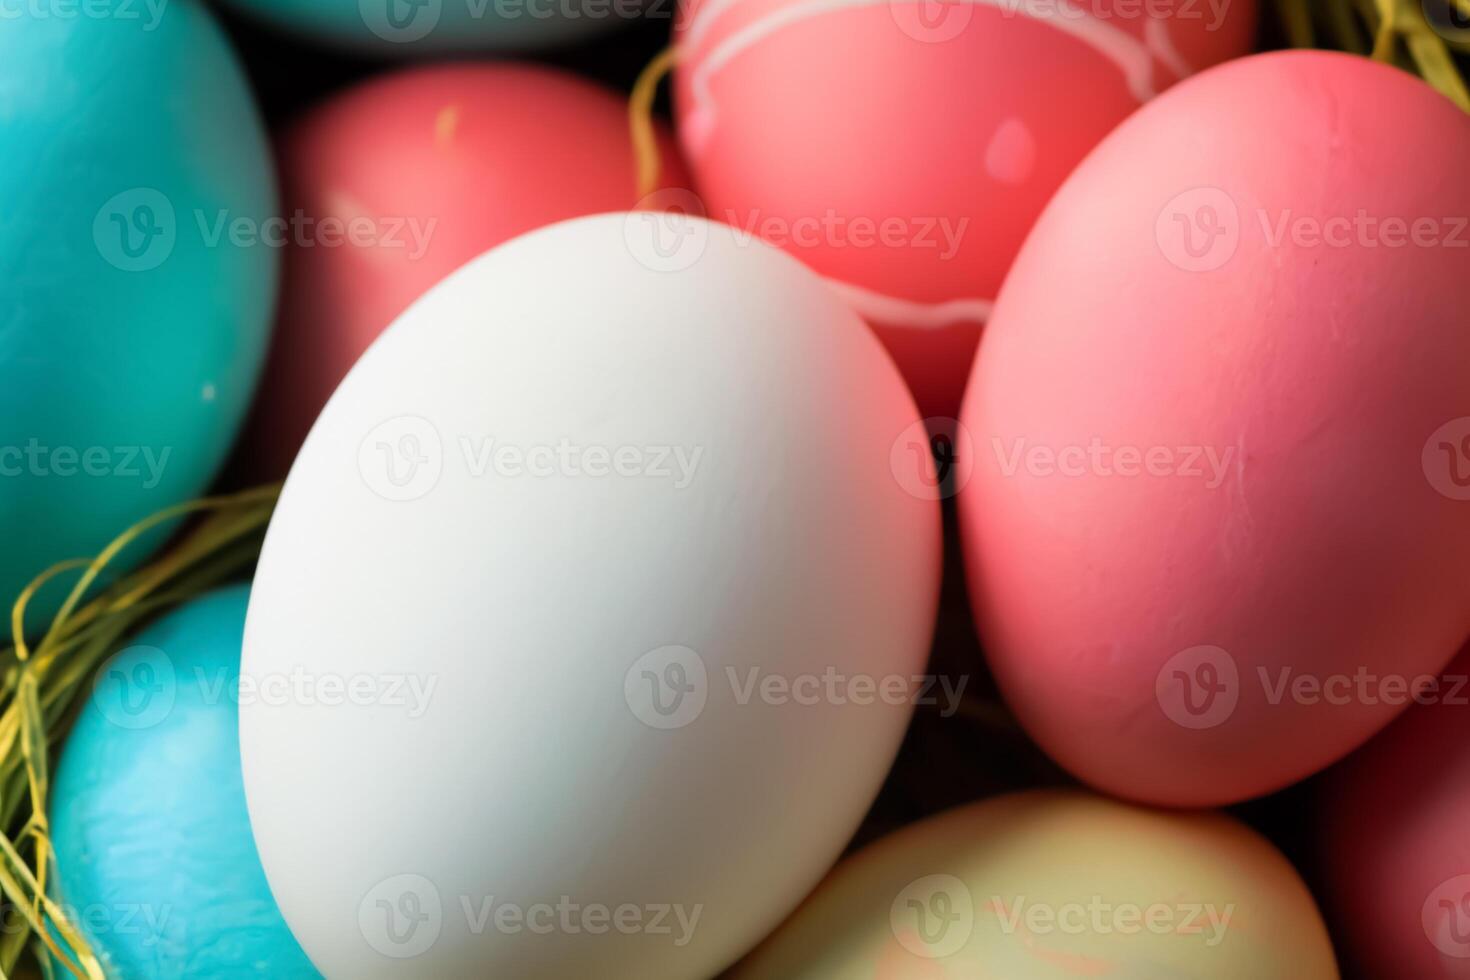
(137, 297)
(154, 853)
(414, 27)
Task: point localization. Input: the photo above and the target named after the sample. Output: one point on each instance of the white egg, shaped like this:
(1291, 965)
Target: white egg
(586, 629)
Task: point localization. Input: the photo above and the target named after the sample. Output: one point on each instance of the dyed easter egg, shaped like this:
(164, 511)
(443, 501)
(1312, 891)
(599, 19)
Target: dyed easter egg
(156, 862)
(1396, 854)
(1049, 886)
(1219, 416)
(137, 301)
(410, 28)
(904, 149)
(494, 150)
(620, 509)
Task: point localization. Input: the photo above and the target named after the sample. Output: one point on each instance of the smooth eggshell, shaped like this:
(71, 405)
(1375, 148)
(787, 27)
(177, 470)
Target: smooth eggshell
(905, 148)
(1050, 886)
(1396, 850)
(1204, 497)
(126, 363)
(442, 163)
(154, 853)
(539, 598)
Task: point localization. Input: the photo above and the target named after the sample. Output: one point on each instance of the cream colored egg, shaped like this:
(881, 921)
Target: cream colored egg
(1053, 885)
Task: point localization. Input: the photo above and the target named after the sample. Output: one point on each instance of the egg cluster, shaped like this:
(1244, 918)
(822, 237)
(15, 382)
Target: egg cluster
(628, 469)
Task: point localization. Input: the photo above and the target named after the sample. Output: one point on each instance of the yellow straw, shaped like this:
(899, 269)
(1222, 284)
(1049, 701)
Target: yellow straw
(640, 118)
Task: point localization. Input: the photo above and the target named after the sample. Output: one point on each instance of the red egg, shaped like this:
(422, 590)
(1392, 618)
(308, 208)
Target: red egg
(904, 148)
(1220, 419)
(1396, 829)
(398, 182)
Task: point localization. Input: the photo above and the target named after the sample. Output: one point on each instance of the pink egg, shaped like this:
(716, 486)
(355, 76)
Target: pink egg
(1221, 420)
(398, 182)
(904, 148)
(1396, 834)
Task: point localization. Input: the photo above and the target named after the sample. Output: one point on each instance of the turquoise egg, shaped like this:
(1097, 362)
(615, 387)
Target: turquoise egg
(137, 301)
(155, 858)
(414, 27)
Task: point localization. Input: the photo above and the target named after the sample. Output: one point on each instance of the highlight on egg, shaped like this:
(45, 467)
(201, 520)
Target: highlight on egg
(1208, 491)
(904, 149)
(1048, 885)
(606, 502)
